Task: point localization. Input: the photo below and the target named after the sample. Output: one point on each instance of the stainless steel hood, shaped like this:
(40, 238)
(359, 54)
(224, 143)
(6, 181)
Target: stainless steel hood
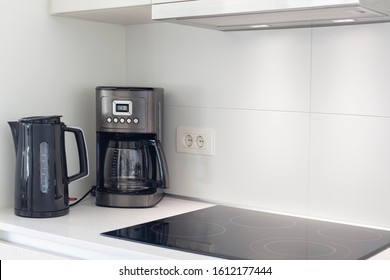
(233, 15)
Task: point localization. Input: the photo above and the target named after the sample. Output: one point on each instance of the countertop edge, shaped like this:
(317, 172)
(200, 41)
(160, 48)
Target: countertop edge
(67, 236)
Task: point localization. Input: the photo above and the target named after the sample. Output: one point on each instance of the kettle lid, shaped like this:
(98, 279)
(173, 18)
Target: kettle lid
(42, 120)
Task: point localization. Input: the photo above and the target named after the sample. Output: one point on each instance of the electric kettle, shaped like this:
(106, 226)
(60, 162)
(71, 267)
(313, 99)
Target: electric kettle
(41, 177)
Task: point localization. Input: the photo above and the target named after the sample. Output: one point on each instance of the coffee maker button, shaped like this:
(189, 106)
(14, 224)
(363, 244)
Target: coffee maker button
(128, 120)
(109, 120)
(115, 120)
(136, 120)
(122, 120)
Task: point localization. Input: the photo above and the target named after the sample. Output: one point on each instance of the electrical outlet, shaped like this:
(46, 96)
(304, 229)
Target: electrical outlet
(195, 140)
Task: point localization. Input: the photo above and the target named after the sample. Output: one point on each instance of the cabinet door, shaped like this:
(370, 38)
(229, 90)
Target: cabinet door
(9, 251)
(124, 12)
(70, 6)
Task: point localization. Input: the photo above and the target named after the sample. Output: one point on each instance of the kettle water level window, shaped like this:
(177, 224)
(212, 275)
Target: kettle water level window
(44, 168)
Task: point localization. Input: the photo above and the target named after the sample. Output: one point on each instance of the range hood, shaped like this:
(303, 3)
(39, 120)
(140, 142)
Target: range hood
(233, 15)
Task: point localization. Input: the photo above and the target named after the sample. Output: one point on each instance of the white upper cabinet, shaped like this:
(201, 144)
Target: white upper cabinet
(125, 12)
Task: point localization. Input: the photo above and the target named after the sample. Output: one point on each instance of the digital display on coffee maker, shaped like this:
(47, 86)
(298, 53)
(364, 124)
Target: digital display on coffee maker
(122, 107)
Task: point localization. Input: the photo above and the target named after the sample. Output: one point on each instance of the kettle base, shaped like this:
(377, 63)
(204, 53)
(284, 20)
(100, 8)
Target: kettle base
(46, 214)
(129, 200)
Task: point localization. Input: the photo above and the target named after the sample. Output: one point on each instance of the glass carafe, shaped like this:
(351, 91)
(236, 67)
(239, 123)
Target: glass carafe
(131, 166)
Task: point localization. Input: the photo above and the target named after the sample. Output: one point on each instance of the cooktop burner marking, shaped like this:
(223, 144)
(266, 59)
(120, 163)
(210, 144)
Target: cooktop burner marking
(300, 249)
(263, 222)
(188, 229)
(349, 235)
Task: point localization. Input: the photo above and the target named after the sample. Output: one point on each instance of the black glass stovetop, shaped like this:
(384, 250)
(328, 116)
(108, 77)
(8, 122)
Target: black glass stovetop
(234, 233)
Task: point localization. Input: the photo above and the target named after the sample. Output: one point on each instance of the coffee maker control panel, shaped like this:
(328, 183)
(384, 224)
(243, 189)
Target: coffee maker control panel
(125, 114)
(129, 110)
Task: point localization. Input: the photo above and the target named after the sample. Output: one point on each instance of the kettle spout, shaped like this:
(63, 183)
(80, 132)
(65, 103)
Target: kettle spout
(15, 133)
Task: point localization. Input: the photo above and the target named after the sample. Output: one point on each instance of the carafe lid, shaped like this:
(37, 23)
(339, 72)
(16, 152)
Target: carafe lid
(42, 120)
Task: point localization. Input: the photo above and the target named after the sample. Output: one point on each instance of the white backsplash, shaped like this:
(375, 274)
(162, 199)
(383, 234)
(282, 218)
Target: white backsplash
(253, 164)
(349, 168)
(302, 117)
(351, 67)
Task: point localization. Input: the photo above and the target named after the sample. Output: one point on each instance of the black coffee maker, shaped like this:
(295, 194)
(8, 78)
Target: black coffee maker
(41, 176)
(131, 169)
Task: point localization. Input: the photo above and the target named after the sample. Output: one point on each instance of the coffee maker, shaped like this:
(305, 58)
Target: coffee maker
(131, 169)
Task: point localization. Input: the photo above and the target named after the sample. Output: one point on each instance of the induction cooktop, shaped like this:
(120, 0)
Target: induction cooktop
(235, 233)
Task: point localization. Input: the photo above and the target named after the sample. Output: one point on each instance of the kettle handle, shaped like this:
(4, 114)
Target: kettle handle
(82, 150)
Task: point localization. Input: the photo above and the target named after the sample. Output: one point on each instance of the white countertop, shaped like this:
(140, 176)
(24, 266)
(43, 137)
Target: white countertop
(77, 235)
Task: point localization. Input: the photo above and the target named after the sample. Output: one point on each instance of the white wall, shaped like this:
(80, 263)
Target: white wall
(301, 116)
(51, 65)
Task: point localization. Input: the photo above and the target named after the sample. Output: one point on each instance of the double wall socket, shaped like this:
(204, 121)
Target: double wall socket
(195, 140)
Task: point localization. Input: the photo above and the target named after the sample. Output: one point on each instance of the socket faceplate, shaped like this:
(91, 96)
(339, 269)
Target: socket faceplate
(202, 140)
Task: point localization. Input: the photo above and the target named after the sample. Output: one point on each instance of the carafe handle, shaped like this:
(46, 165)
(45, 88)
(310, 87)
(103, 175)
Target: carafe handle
(163, 165)
(82, 150)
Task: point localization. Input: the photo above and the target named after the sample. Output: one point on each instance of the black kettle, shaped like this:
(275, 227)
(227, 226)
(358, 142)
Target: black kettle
(41, 177)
